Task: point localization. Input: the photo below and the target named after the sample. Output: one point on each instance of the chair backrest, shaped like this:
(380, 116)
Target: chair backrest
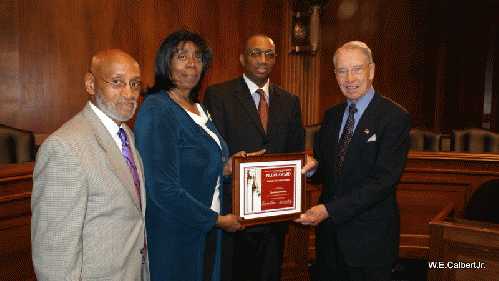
(425, 140)
(16, 145)
(475, 141)
(310, 133)
(483, 205)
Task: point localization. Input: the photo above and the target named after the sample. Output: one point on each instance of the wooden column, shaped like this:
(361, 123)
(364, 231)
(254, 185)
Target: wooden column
(300, 74)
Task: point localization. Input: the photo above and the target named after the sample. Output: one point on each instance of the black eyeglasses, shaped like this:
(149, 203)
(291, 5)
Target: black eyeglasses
(258, 54)
(119, 84)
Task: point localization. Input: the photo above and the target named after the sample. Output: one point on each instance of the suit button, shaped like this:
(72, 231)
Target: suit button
(223, 159)
(142, 250)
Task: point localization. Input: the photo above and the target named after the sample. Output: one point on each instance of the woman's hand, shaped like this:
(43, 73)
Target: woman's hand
(229, 223)
(228, 165)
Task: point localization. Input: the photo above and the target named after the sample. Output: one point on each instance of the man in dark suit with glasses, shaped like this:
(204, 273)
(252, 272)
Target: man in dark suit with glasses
(253, 114)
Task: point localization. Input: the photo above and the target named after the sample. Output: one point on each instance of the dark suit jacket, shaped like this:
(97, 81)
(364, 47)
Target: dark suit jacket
(361, 202)
(235, 115)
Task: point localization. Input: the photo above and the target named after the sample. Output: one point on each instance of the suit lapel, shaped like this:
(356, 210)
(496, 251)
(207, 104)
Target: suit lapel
(243, 95)
(114, 155)
(205, 134)
(274, 108)
(336, 125)
(197, 130)
(365, 129)
(224, 149)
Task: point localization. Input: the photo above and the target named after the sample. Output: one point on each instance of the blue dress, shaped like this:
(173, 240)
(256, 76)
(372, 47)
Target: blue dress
(182, 165)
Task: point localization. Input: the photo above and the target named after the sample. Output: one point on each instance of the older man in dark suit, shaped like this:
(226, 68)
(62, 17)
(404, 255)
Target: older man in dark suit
(253, 114)
(361, 151)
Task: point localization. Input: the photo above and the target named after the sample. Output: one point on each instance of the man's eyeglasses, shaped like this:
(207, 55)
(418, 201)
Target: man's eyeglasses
(343, 72)
(258, 54)
(119, 84)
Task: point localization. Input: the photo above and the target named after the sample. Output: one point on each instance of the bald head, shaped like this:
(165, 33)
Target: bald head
(257, 37)
(113, 82)
(103, 59)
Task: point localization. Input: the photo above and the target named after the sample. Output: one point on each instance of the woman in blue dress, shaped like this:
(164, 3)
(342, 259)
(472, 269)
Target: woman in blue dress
(184, 162)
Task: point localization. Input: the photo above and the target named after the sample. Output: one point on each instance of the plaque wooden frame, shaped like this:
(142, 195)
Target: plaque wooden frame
(276, 179)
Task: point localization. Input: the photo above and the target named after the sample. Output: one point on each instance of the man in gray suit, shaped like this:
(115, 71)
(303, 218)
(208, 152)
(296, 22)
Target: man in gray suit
(88, 199)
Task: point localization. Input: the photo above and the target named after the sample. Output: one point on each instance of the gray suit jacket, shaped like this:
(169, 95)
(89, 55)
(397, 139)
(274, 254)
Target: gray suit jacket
(87, 222)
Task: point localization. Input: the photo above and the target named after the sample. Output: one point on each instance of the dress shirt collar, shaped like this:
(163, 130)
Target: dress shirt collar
(253, 87)
(362, 103)
(110, 125)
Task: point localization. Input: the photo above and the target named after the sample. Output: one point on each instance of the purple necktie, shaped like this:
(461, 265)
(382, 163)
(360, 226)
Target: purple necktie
(127, 153)
(346, 136)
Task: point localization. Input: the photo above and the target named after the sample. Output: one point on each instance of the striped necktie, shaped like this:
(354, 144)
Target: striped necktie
(346, 137)
(263, 109)
(127, 153)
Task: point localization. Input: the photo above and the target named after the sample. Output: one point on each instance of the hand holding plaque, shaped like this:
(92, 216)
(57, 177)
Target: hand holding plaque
(229, 223)
(228, 165)
(314, 216)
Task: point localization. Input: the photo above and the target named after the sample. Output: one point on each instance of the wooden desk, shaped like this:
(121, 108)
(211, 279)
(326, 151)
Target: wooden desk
(16, 184)
(430, 182)
(463, 250)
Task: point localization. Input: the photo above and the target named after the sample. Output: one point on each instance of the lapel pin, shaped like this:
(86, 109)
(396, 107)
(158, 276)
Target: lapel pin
(366, 131)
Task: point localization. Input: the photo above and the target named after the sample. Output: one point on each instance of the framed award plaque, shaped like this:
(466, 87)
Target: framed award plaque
(268, 188)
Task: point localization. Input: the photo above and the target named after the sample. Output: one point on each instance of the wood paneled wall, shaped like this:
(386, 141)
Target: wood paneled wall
(430, 56)
(46, 46)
